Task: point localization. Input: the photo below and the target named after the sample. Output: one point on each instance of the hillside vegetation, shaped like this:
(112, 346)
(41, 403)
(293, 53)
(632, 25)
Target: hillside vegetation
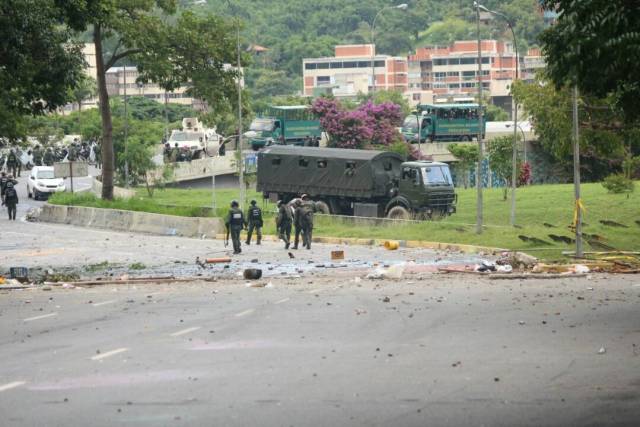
(295, 29)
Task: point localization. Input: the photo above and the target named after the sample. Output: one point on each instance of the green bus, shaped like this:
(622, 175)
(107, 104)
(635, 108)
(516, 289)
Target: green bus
(444, 122)
(284, 125)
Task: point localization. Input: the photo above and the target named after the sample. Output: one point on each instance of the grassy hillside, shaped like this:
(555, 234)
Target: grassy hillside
(536, 205)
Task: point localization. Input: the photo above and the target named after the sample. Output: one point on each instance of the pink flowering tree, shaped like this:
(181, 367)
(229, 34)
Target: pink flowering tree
(368, 124)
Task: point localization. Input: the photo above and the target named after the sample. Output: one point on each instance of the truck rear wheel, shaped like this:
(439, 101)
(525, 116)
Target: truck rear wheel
(323, 208)
(398, 212)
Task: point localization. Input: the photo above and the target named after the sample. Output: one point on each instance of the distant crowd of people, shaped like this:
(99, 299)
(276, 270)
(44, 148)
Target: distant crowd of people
(15, 159)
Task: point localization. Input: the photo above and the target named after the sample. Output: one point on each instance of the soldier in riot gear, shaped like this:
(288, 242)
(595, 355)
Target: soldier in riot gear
(235, 223)
(254, 218)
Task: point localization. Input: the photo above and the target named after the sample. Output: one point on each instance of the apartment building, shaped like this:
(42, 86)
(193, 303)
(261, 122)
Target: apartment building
(354, 69)
(122, 80)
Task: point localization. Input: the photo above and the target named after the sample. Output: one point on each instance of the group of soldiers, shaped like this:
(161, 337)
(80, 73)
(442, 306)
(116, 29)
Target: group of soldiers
(298, 213)
(175, 154)
(236, 222)
(9, 194)
(39, 156)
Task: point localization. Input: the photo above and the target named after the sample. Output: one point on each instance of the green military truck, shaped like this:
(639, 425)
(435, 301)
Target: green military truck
(357, 182)
(288, 125)
(444, 122)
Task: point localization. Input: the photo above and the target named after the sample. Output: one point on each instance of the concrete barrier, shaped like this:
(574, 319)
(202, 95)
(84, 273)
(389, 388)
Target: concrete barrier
(200, 168)
(140, 222)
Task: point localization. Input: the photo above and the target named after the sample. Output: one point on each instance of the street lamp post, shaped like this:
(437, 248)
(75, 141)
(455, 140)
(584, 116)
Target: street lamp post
(126, 130)
(479, 201)
(524, 142)
(514, 161)
(402, 6)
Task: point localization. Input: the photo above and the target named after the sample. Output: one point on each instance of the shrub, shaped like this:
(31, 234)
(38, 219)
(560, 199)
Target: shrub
(618, 183)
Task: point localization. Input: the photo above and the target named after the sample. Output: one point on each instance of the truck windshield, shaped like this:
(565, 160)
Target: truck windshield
(185, 136)
(260, 125)
(436, 175)
(411, 123)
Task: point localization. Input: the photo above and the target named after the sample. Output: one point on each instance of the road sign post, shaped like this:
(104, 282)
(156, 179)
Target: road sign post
(70, 170)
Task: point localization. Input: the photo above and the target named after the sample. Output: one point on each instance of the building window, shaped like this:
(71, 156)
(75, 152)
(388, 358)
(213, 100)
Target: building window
(310, 66)
(440, 61)
(454, 86)
(486, 85)
(323, 66)
(454, 61)
(378, 63)
(439, 76)
(467, 61)
(276, 161)
(453, 74)
(323, 80)
(336, 65)
(364, 64)
(350, 64)
(469, 84)
(303, 163)
(416, 97)
(468, 74)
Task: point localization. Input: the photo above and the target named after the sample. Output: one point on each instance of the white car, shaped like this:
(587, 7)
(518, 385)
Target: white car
(42, 182)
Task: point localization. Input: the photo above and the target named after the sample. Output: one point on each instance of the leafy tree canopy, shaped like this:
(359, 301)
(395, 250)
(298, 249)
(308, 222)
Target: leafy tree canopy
(38, 64)
(596, 45)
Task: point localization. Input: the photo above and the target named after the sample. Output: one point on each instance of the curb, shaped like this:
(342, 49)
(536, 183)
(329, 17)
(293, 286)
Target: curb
(414, 244)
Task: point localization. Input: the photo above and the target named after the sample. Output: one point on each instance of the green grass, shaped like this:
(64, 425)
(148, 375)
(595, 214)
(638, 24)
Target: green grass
(536, 205)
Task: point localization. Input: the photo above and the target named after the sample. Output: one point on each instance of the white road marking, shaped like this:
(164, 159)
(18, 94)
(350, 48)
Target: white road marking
(98, 304)
(185, 331)
(9, 386)
(317, 291)
(282, 300)
(244, 313)
(109, 353)
(44, 316)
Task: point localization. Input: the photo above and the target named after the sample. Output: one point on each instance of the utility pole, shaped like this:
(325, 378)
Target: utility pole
(576, 175)
(479, 200)
(241, 157)
(126, 129)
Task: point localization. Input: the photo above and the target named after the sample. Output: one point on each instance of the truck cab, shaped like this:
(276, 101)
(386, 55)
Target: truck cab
(425, 189)
(412, 125)
(264, 131)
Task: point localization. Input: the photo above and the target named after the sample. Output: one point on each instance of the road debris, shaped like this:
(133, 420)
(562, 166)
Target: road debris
(391, 245)
(221, 260)
(252, 273)
(336, 255)
(602, 350)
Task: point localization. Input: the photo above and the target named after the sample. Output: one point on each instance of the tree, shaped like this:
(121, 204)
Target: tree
(605, 138)
(366, 125)
(500, 153)
(494, 113)
(38, 64)
(84, 89)
(467, 156)
(381, 96)
(596, 45)
(191, 49)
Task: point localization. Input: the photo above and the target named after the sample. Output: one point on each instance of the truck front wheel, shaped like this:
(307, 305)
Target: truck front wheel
(398, 212)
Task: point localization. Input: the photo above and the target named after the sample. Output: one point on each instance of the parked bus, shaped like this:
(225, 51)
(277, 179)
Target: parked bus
(445, 122)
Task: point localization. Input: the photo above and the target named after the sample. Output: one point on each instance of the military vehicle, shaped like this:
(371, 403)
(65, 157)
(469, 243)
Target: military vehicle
(445, 122)
(194, 137)
(357, 182)
(283, 125)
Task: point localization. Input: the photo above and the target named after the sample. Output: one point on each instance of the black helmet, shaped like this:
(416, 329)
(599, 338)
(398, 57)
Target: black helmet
(234, 204)
(253, 202)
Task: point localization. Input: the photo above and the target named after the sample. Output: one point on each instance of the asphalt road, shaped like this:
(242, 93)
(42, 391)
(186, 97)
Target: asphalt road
(449, 351)
(317, 347)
